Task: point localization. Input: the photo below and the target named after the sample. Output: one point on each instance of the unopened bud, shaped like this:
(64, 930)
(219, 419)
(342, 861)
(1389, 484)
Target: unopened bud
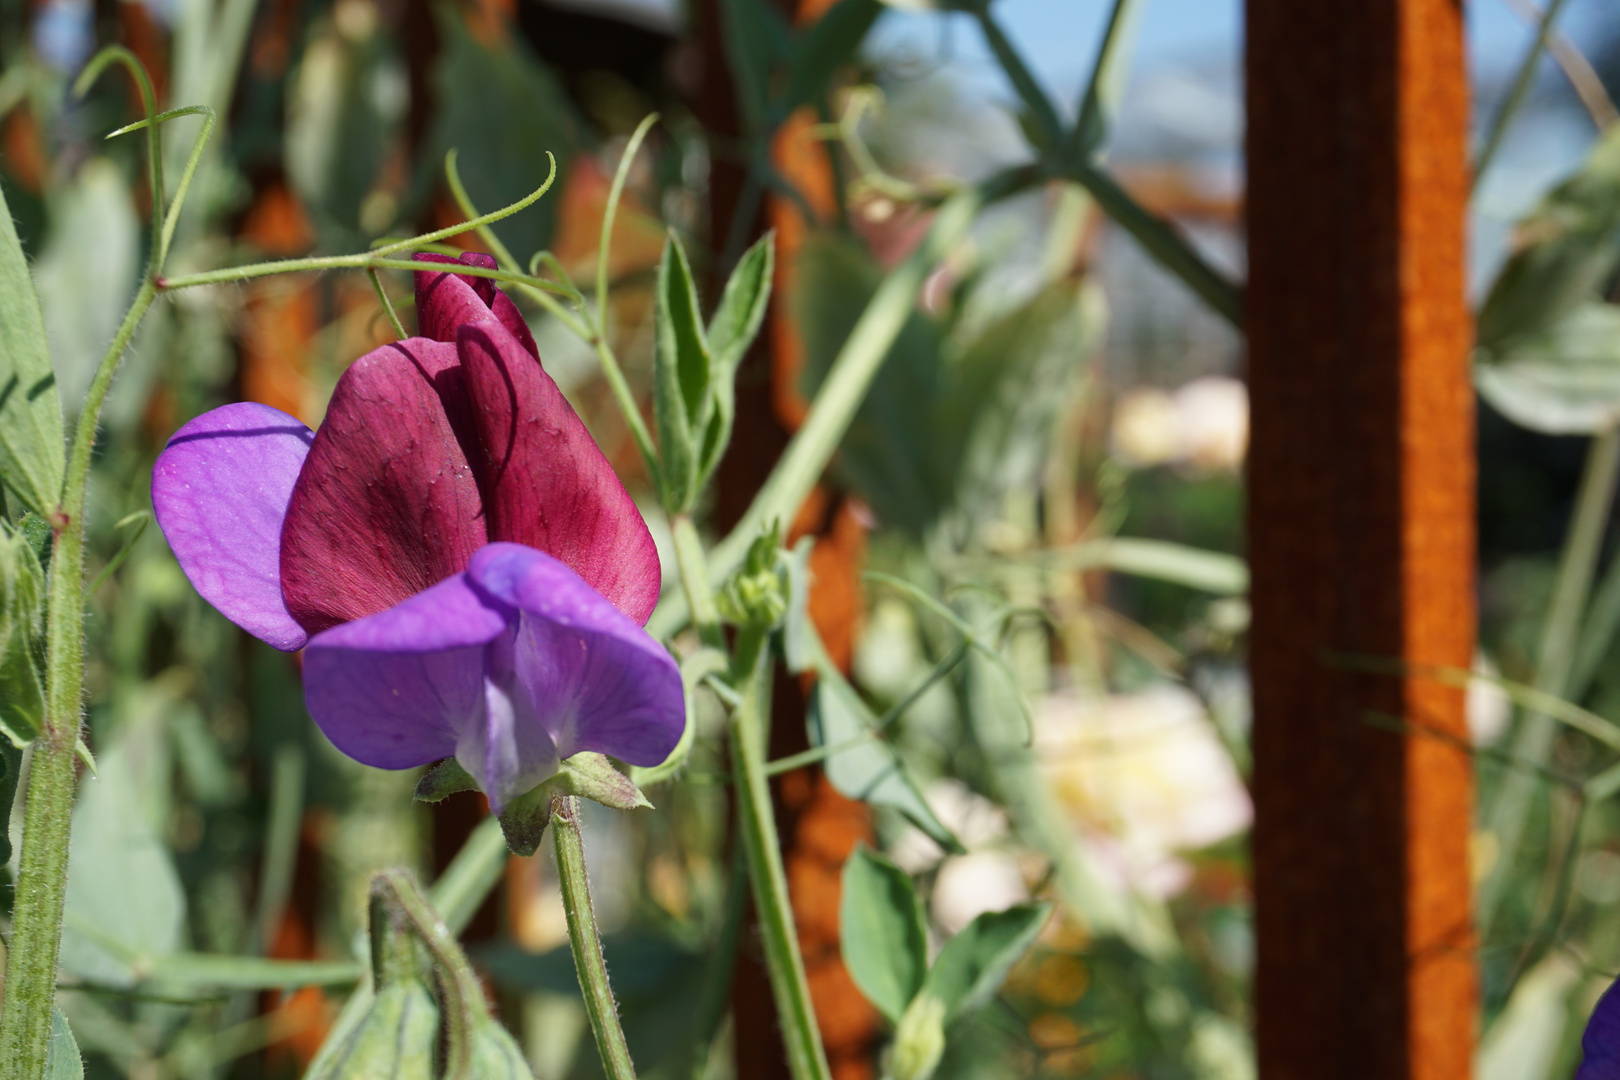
(757, 594)
(919, 1040)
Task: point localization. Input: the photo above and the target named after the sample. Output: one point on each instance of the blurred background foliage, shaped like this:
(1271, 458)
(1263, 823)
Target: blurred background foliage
(1054, 445)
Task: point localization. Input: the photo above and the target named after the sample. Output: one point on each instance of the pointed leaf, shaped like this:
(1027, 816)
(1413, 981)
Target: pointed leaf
(973, 964)
(22, 626)
(64, 1061)
(681, 377)
(124, 899)
(1562, 381)
(732, 331)
(867, 769)
(31, 447)
(742, 307)
(882, 932)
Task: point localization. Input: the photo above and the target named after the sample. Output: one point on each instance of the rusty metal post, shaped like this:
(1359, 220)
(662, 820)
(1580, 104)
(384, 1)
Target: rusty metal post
(1361, 538)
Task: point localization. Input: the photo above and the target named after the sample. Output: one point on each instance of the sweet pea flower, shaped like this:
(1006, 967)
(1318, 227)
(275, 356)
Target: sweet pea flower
(1601, 1043)
(461, 565)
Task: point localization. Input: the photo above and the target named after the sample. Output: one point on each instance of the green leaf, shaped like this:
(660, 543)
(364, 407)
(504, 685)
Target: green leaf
(31, 446)
(756, 39)
(681, 378)
(22, 639)
(1562, 381)
(882, 932)
(731, 332)
(64, 1061)
(867, 769)
(828, 45)
(502, 110)
(973, 964)
(742, 307)
(125, 905)
(1570, 248)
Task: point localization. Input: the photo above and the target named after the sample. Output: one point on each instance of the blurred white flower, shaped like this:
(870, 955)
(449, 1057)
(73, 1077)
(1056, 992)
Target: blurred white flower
(1487, 705)
(976, 821)
(1144, 777)
(970, 885)
(1204, 426)
(1214, 416)
(1146, 429)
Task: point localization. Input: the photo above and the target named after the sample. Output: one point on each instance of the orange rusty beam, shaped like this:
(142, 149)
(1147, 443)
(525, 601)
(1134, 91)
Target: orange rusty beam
(1361, 537)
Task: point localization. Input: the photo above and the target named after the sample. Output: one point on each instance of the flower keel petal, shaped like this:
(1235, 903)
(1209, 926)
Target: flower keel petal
(400, 688)
(220, 492)
(597, 681)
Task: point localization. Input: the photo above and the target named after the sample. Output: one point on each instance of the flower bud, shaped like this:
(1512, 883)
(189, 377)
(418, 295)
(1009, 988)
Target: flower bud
(495, 1054)
(757, 594)
(919, 1040)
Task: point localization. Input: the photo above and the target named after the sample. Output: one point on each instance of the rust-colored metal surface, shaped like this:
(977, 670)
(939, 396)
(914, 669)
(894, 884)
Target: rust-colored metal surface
(1361, 510)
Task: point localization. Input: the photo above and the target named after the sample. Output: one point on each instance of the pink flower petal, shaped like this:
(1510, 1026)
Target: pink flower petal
(446, 301)
(386, 505)
(547, 484)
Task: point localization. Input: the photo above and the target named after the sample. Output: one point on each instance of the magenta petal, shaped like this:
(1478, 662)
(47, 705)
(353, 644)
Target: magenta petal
(595, 680)
(396, 689)
(547, 484)
(220, 492)
(387, 504)
(447, 301)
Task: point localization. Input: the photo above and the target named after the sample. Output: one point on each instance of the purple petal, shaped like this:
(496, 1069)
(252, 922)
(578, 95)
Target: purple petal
(597, 681)
(547, 483)
(447, 301)
(220, 492)
(398, 688)
(1601, 1043)
(386, 505)
(513, 749)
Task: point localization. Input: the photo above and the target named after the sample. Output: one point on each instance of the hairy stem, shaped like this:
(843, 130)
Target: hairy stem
(36, 935)
(586, 941)
(756, 827)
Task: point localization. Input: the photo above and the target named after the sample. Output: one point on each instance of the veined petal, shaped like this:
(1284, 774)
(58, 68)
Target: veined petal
(386, 504)
(511, 751)
(547, 483)
(446, 301)
(220, 492)
(595, 679)
(1601, 1043)
(397, 689)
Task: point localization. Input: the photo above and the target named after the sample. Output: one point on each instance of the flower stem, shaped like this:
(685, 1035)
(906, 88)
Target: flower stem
(757, 829)
(586, 941)
(694, 570)
(36, 921)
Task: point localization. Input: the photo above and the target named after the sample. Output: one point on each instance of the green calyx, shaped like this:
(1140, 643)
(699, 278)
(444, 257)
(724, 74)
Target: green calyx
(588, 775)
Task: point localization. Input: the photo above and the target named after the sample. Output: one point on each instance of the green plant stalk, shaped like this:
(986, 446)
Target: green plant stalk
(1167, 246)
(586, 941)
(36, 927)
(1517, 91)
(692, 563)
(756, 828)
(1555, 660)
(1041, 109)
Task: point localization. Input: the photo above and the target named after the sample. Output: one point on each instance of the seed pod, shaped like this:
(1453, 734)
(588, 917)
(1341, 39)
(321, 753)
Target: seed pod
(496, 1055)
(398, 1037)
